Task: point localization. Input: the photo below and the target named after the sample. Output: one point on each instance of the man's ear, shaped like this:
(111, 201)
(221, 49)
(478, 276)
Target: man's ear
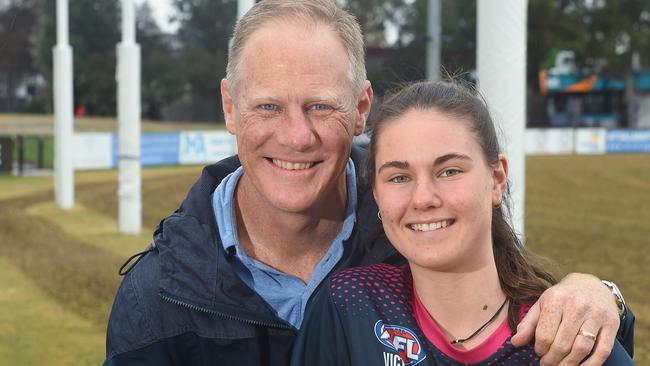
(364, 102)
(228, 106)
(500, 180)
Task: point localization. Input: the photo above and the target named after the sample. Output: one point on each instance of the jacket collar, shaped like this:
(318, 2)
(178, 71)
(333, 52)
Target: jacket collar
(194, 268)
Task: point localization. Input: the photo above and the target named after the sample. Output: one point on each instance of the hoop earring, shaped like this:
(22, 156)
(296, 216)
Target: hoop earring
(379, 215)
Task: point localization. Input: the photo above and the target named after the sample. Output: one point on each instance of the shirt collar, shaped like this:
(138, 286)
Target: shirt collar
(224, 209)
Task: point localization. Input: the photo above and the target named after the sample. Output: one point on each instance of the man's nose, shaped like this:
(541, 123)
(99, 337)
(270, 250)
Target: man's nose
(297, 131)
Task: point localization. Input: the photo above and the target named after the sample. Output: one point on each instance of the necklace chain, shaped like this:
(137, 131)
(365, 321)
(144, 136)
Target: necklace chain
(480, 329)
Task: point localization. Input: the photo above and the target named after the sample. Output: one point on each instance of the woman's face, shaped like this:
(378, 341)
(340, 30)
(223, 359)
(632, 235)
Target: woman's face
(435, 191)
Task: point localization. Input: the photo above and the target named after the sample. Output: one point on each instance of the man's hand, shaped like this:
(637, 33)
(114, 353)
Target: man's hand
(580, 302)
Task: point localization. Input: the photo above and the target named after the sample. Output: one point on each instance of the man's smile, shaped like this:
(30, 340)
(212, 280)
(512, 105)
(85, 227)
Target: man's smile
(288, 165)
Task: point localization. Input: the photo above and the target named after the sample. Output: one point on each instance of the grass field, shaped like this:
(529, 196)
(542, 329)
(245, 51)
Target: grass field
(58, 268)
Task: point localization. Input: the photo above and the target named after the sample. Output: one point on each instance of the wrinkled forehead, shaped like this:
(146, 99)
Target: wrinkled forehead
(294, 47)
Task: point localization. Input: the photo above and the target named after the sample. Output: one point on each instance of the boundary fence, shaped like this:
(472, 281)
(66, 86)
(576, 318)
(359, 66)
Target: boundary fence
(99, 150)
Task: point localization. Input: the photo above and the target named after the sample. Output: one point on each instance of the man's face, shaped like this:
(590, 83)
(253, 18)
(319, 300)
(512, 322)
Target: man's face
(294, 116)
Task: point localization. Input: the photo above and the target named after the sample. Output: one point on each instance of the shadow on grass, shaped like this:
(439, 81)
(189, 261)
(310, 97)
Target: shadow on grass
(81, 277)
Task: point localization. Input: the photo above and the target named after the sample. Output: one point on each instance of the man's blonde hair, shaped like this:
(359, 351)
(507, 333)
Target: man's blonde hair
(310, 11)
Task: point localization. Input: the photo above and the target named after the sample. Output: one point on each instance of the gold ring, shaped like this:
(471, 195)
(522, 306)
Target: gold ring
(587, 334)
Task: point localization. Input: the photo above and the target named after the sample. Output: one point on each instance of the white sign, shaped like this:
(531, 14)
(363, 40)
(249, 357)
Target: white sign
(591, 141)
(549, 141)
(92, 150)
(202, 147)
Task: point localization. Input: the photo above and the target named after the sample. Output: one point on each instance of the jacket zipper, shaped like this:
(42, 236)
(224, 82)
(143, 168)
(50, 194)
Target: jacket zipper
(223, 315)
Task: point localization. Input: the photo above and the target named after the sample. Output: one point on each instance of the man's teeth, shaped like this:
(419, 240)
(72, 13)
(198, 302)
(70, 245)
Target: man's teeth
(430, 226)
(291, 166)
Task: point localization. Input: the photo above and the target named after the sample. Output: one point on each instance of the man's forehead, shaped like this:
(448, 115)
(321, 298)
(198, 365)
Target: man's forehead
(285, 33)
(312, 60)
(265, 95)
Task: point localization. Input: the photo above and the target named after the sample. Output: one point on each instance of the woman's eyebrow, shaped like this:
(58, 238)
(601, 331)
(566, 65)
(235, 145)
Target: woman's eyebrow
(439, 160)
(443, 159)
(394, 164)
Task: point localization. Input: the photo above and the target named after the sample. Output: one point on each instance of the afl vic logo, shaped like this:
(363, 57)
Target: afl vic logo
(402, 341)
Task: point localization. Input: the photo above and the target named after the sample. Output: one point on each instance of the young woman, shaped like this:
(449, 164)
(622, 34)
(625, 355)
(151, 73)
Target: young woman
(440, 183)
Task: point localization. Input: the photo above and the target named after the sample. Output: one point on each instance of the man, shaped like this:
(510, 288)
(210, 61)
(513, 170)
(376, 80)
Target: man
(229, 274)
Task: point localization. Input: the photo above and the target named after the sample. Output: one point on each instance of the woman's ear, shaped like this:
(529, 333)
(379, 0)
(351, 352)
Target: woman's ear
(500, 180)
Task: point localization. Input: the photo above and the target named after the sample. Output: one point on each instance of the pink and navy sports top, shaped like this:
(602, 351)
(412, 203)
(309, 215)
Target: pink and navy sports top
(372, 316)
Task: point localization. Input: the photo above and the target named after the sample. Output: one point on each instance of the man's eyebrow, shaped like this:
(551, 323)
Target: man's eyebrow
(394, 164)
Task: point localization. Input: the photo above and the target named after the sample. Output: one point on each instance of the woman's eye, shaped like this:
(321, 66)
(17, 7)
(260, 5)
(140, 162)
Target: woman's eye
(450, 172)
(400, 179)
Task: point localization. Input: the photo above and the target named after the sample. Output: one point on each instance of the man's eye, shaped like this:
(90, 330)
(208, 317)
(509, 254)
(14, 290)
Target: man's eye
(450, 172)
(319, 107)
(400, 179)
(269, 107)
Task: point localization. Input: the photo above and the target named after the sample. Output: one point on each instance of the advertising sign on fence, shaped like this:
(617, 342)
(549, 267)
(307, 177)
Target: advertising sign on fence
(159, 148)
(628, 141)
(92, 150)
(549, 141)
(99, 150)
(591, 141)
(205, 147)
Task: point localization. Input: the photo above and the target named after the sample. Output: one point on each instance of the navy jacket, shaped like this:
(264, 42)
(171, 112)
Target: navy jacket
(182, 303)
(365, 316)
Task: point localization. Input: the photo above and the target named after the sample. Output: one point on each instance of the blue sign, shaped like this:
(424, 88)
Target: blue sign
(156, 148)
(628, 141)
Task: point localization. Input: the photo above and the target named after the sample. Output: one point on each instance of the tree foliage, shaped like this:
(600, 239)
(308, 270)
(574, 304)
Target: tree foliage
(205, 27)
(181, 72)
(17, 22)
(604, 34)
(94, 33)
(161, 73)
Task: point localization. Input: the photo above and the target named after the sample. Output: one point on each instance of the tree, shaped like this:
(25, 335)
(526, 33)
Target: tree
(94, 33)
(375, 16)
(603, 34)
(162, 83)
(205, 27)
(17, 22)
(615, 30)
(405, 59)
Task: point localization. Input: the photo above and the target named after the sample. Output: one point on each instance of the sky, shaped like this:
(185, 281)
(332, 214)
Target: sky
(162, 9)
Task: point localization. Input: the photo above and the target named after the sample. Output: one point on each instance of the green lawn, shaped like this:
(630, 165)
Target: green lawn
(590, 214)
(58, 269)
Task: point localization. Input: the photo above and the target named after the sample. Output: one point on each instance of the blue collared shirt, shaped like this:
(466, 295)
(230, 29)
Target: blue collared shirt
(286, 294)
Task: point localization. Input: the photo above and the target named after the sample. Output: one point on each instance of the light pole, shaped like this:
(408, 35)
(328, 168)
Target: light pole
(433, 40)
(243, 6)
(128, 115)
(63, 106)
(501, 68)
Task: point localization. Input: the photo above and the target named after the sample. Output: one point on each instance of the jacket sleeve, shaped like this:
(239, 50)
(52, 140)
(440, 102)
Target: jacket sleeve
(619, 356)
(625, 333)
(130, 339)
(322, 338)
